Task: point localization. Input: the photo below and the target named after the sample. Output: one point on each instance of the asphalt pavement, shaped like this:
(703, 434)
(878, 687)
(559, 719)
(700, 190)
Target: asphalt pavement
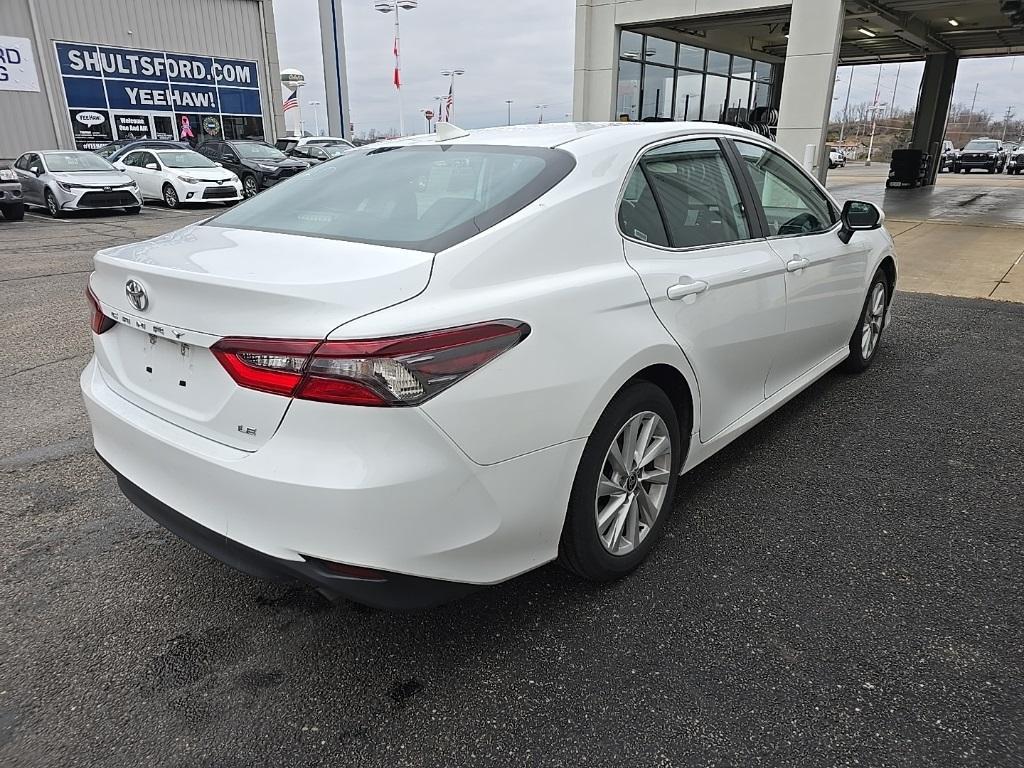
(842, 586)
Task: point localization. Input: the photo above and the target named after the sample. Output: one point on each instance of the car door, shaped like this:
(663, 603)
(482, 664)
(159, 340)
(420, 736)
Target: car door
(148, 179)
(713, 281)
(31, 185)
(824, 277)
(131, 163)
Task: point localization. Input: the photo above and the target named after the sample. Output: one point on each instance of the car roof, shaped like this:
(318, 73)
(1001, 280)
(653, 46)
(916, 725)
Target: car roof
(581, 138)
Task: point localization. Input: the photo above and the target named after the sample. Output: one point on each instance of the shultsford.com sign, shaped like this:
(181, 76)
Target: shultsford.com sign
(106, 77)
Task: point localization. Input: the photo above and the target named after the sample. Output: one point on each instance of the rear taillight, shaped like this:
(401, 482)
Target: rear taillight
(100, 322)
(403, 370)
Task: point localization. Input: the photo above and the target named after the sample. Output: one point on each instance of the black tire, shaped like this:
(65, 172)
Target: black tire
(250, 186)
(992, 169)
(132, 210)
(580, 549)
(51, 205)
(15, 212)
(858, 362)
(170, 196)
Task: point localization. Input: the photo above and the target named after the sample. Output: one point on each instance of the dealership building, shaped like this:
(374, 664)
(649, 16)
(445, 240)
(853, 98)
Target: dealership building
(81, 74)
(770, 65)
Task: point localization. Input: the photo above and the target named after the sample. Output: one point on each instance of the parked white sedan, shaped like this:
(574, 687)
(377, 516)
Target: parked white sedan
(436, 363)
(179, 176)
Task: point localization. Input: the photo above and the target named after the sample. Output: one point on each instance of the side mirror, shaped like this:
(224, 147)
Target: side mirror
(219, 165)
(858, 216)
(36, 170)
(153, 166)
(120, 166)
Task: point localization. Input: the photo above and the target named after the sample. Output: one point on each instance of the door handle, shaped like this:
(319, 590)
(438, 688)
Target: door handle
(796, 264)
(683, 289)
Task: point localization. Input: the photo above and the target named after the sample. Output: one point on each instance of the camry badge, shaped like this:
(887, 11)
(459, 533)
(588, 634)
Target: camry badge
(136, 295)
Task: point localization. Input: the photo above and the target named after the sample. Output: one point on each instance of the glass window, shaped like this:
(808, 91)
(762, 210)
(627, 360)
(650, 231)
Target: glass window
(422, 197)
(792, 204)
(762, 71)
(243, 128)
(739, 98)
(697, 193)
(714, 98)
(133, 159)
(75, 162)
(718, 63)
(688, 85)
(186, 158)
(639, 217)
(660, 51)
(627, 101)
(631, 46)
(657, 92)
(742, 67)
(691, 57)
(759, 98)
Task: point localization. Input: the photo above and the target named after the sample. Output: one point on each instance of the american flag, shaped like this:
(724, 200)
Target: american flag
(398, 77)
(449, 105)
(292, 102)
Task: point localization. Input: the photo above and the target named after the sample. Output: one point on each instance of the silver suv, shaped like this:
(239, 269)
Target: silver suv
(11, 203)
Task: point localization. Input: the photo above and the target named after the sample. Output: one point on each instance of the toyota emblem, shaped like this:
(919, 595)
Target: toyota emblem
(136, 295)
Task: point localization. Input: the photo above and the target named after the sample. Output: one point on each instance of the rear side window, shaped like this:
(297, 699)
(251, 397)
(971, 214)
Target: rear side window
(421, 197)
(639, 217)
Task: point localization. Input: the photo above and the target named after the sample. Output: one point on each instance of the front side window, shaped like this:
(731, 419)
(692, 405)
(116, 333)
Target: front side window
(792, 204)
(422, 197)
(133, 159)
(697, 194)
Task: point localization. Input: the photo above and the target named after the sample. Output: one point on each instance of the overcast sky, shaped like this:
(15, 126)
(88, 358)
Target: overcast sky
(523, 53)
(999, 82)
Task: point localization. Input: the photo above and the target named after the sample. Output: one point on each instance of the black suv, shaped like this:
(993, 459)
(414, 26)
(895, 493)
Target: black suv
(981, 153)
(256, 163)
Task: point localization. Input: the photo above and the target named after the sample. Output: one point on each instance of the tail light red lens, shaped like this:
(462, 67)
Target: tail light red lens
(100, 323)
(397, 371)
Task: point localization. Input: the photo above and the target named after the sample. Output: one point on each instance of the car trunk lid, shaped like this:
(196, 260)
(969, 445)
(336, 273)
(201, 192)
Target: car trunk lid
(204, 283)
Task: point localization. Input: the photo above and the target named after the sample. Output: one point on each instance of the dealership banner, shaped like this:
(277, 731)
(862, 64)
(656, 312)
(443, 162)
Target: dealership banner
(17, 65)
(146, 84)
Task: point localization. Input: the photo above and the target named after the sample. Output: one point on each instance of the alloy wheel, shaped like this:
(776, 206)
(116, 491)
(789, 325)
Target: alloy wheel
(633, 483)
(249, 185)
(51, 204)
(170, 197)
(874, 316)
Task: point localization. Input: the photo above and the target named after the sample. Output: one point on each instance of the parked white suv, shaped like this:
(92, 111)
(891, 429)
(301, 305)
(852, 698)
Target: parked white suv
(836, 158)
(436, 363)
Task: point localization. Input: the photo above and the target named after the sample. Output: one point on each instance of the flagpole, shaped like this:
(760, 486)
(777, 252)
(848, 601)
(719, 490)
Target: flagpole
(398, 69)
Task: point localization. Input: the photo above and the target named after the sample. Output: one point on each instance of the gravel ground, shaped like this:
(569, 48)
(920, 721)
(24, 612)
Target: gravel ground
(842, 586)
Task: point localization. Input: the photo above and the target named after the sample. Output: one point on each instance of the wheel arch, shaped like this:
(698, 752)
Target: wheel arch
(888, 266)
(672, 382)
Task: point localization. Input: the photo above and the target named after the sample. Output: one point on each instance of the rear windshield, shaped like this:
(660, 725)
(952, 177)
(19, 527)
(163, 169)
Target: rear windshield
(422, 197)
(72, 162)
(982, 146)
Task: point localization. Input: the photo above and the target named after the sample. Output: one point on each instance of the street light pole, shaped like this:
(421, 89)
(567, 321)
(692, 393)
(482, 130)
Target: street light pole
(874, 115)
(541, 108)
(316, 115)
(450, 74)
(509, 103)
(389, 6)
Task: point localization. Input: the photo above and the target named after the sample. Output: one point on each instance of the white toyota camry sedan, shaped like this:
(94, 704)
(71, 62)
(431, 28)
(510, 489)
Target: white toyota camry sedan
(434, 364)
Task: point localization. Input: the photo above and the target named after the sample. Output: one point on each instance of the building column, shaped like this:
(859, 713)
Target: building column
(595, 70)
(332, 43)
(812, 55)
(933, 107)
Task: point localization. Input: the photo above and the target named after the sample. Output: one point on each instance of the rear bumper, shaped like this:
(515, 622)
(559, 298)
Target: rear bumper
(370, 487)
(391, 591)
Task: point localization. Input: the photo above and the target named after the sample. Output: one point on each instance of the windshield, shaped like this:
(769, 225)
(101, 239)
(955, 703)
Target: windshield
(74, 162)
(285, 144)
(186, 158)
(252, 150)
(981, 146)
(423, 197)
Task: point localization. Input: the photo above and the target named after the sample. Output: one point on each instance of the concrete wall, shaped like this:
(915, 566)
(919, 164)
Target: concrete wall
(241, 29)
